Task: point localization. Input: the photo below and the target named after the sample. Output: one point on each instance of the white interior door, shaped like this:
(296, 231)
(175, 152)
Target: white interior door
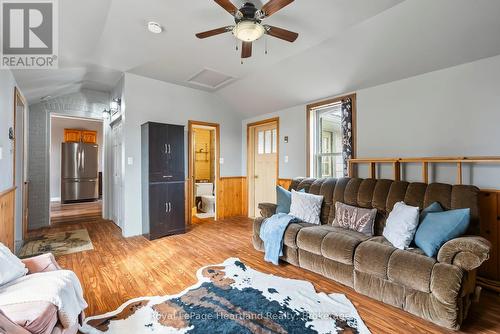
(265, 164)
(117, 175)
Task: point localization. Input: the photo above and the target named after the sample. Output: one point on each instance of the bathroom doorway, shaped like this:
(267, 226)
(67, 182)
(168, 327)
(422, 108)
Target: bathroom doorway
(203, 140)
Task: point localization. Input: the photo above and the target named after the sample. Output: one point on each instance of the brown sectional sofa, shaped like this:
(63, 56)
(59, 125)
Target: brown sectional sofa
(437, 289)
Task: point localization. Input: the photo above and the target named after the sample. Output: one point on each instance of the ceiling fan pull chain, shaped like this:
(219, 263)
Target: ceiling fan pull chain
(265, 43)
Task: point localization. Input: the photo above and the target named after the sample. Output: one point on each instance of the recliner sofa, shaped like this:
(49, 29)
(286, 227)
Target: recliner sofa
(438, 289)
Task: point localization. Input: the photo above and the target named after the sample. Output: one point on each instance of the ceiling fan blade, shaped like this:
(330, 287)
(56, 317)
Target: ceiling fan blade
(280, 33)
(246, 50)
(214, 32)
(228, 6)
(274, 5)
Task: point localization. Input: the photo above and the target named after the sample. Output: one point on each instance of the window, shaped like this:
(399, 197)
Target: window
(325, 139)
(267, 141)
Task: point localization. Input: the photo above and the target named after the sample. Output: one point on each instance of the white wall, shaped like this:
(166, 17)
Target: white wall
(58, 124)
(450, 112)
(152, 100)
(7, 84)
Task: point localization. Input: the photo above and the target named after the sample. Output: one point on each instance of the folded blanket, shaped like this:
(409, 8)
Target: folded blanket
(271, 232)
(61, 288)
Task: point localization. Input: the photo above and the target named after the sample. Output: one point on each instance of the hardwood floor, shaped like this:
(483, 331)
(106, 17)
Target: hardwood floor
(86, 211)
(120, 268)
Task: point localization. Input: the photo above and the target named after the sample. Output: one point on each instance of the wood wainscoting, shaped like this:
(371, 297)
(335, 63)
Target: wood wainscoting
(489, 206)
(7, 207)
(232, 197)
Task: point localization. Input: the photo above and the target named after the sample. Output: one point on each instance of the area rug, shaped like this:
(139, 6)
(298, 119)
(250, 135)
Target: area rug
(59, 243)
(233, 298)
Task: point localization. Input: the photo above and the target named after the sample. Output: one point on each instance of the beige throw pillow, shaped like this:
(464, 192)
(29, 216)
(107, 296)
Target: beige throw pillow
(354, 218)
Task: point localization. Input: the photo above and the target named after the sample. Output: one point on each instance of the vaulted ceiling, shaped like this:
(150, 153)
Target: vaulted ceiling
(343, 45)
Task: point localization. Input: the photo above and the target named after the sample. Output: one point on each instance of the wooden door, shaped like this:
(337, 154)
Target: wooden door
(265, 161)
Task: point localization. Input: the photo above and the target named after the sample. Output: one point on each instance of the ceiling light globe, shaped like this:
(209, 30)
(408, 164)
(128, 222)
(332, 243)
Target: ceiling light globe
(248, 31)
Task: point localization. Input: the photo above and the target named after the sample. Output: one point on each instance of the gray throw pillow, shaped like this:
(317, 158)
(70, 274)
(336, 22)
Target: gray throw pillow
(354, 218)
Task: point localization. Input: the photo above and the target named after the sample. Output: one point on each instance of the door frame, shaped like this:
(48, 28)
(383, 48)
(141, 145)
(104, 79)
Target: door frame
(251, 159)
(19, 98)
(190, 181)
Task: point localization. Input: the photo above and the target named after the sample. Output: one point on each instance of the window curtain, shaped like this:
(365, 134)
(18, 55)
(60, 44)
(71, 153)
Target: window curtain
(347, 138)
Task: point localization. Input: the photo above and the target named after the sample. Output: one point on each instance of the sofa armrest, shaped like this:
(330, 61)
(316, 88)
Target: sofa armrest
(41, 263)
(467, 252)
(9, 327)
(267, 209)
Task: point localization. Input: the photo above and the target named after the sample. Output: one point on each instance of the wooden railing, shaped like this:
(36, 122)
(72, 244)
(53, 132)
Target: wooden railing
(424, 161)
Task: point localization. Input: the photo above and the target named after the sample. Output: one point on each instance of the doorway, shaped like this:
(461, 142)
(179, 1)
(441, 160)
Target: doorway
(204, 148)
(20, 167)
(76, 161)
(262, 164)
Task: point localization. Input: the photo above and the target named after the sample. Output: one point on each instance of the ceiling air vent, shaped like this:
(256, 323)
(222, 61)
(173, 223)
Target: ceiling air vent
(210, 79)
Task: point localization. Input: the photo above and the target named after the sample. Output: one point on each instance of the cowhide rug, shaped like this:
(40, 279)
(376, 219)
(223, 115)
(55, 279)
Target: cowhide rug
(233, 298)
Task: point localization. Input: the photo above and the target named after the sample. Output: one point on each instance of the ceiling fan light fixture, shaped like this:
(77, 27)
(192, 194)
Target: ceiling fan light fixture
(248, 31)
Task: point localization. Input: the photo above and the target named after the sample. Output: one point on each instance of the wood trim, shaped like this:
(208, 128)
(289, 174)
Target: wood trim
(324, 103)
(250, 155)
(18, 98)
(396, 163)
(191, 125)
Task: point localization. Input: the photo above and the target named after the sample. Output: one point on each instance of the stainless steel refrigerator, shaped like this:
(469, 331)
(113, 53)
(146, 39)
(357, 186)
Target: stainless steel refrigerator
(79, 172)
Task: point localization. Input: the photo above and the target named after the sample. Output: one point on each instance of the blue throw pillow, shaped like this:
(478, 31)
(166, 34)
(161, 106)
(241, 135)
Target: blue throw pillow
(439, 227)
(283, 199)
(434, 207)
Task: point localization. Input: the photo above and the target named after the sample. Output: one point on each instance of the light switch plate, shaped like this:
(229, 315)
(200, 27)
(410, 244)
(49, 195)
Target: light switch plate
(286, 158)
(1, 153)
(130, 161)
(221, 161)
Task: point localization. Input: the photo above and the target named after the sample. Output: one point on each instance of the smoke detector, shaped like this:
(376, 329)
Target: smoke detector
(154, 27)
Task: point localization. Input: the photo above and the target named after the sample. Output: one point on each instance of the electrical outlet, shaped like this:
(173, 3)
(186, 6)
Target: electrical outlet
(286, 159)
(1, 152)
(130, 161)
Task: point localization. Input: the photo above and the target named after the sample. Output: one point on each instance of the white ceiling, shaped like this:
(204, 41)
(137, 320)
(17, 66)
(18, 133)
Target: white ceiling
(343, 45)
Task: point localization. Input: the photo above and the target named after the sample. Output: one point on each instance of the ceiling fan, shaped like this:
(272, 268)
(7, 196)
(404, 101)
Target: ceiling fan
(249, 27)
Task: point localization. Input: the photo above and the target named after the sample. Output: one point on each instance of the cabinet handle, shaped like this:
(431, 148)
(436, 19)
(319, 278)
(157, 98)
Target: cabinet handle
(169, 207)
(169, 150)
(166, 149)
(167, 176)
(166, 207)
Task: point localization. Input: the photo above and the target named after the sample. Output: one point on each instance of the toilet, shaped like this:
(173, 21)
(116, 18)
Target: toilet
(206, 192)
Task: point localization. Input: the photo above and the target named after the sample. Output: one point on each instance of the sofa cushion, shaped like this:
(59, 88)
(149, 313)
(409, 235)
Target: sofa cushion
(340, 244)
(334, 243)
(372, 257)
(35, 317)
(290, 237)
(310, 238)
(411, 270)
